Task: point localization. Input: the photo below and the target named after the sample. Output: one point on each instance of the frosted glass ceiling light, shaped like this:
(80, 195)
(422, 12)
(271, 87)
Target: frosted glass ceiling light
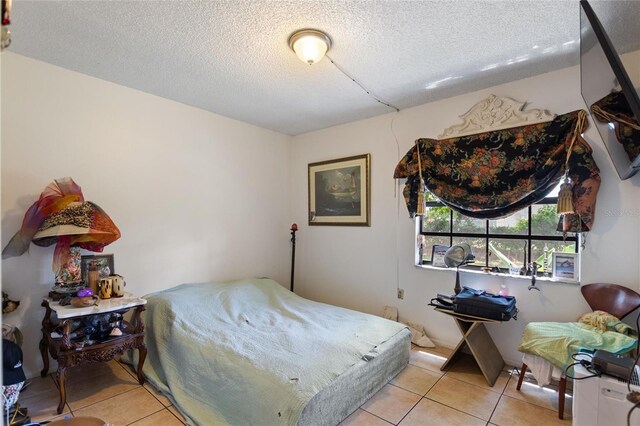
(310, 45)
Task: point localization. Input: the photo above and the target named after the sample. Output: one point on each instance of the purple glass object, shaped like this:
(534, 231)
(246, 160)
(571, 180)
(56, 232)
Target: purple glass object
(85, 292)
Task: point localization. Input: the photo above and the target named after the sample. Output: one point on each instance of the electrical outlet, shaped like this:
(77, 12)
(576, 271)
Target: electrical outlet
(400, 293)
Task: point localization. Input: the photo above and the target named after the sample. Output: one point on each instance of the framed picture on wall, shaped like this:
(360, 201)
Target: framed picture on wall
(565, 266)
(339, 192)
(105, 265)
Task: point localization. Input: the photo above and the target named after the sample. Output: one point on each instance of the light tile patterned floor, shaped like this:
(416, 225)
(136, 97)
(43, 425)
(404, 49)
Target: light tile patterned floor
(419, 395)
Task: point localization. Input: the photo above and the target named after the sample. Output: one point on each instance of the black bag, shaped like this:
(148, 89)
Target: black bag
(479, 303)
(442, 303)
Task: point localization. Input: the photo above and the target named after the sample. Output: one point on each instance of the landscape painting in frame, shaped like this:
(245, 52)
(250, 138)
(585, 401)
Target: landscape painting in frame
(339, 192)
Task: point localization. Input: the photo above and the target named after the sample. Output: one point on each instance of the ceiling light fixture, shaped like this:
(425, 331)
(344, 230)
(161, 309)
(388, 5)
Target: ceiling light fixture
(310, 45)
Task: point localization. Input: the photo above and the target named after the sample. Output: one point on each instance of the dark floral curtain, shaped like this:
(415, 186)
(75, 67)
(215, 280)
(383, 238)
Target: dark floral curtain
(615, 109)
(494, 174)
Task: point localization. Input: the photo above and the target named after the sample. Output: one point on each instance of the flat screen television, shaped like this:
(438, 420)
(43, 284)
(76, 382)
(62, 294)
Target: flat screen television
(610, 94)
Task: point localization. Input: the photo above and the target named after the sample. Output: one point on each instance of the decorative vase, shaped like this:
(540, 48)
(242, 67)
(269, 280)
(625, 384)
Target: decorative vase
(93, 277)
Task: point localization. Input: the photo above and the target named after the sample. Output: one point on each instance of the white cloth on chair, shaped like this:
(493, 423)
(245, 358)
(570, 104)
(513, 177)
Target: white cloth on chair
(543, 371)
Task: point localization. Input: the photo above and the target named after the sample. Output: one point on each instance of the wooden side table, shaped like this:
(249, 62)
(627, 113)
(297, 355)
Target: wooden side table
(479, 342)
(69, 351)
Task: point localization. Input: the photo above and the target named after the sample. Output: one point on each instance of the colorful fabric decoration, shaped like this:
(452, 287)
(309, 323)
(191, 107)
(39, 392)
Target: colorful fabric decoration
(615, 109)
(62, 217)
(494, 174)
(56, 196)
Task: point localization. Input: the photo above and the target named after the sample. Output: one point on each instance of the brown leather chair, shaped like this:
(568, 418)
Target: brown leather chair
(615, 299)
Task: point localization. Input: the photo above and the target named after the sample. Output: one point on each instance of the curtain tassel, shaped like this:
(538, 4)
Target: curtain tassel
(565, 197)
(420, 208)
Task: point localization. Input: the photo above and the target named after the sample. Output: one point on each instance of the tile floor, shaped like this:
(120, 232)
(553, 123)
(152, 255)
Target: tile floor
(419, 395)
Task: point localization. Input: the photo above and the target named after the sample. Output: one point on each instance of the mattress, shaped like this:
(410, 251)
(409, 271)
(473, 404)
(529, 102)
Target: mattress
(251, 352)
(356, 385)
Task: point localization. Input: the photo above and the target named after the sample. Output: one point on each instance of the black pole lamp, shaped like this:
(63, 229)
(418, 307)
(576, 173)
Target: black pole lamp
(294, 228)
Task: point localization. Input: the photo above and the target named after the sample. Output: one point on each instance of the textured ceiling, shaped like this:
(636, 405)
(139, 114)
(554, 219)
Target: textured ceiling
(232, 57)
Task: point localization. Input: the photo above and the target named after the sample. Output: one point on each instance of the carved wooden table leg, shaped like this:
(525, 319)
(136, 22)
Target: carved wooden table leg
(142, 348)
(44, 343)
(62, 367)
(142, 354)
(44, 350)
(63, 389)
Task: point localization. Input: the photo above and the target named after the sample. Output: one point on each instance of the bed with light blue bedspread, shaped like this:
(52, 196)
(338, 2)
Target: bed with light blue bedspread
(252, 353)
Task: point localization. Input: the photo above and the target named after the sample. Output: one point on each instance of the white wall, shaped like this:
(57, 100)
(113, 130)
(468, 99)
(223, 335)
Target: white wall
(196, 196)
(360, 268)
(202, 197)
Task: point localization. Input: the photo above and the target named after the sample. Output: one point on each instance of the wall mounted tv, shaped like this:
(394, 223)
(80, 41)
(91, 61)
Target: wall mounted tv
(609, 92)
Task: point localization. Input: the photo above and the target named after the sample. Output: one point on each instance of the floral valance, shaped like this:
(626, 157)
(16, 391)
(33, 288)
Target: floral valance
(494, 174)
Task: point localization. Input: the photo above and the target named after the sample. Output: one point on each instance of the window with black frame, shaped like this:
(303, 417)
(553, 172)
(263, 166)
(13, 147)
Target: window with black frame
(528, 235)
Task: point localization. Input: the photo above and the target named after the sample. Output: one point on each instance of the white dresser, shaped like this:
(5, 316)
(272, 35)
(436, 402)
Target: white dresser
(602, 401)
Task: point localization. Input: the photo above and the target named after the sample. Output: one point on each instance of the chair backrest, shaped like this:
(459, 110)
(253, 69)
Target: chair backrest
(615, 299)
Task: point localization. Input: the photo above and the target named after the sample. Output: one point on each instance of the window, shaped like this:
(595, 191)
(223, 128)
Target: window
(526, 236)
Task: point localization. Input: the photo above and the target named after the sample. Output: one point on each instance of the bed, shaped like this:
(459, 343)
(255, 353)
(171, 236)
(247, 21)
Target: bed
(251, 352)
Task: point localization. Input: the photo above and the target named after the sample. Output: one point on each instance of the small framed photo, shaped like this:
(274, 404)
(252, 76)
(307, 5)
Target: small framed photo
(437, 255)
(565, 266)
(104, 262)
(340, 192)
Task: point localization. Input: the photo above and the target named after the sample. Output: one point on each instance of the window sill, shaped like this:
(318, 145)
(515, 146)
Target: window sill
(500, 274)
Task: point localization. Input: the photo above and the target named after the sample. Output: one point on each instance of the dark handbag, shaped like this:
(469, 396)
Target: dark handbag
(479, 303)
(442, 303)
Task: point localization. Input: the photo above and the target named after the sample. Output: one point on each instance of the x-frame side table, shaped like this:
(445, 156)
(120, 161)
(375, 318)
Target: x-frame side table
(476, 337)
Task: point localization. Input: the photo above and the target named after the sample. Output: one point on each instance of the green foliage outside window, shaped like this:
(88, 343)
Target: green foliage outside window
(504, 252)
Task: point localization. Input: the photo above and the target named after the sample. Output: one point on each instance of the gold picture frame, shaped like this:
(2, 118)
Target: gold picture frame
(340, 192)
